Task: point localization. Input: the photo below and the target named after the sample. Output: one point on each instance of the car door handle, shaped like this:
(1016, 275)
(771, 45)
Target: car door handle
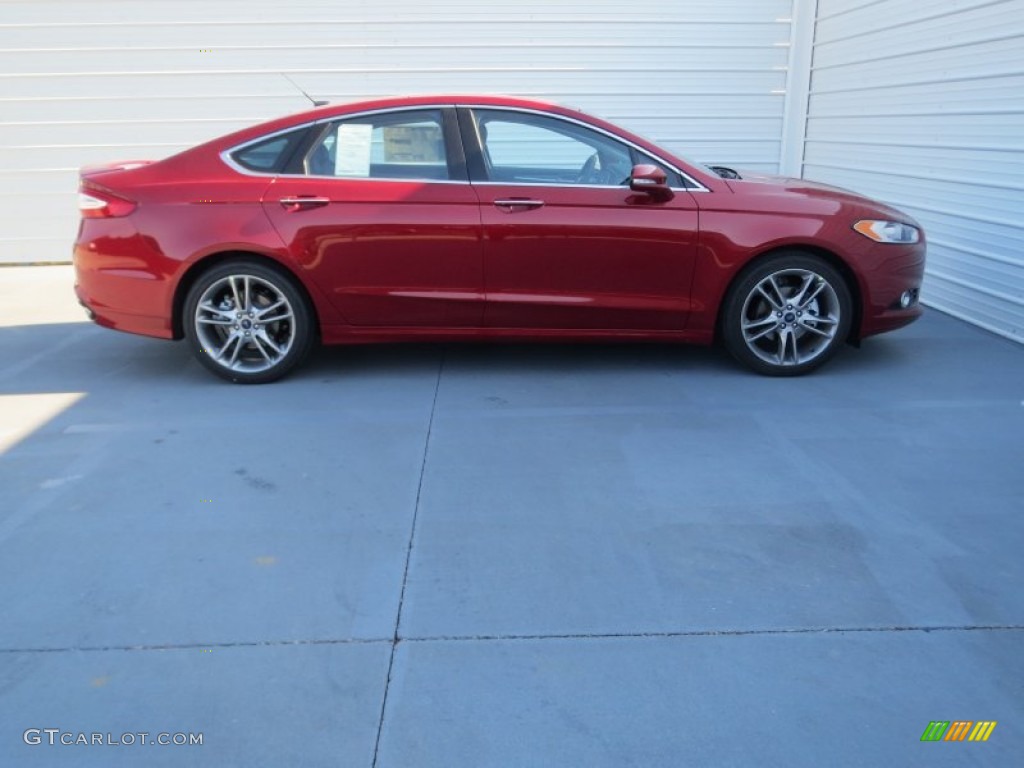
(293, 204)
(518, 204)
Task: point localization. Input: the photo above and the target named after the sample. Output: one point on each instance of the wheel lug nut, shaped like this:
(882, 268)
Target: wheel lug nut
(246, 333)
(236, 327)
(778, 314)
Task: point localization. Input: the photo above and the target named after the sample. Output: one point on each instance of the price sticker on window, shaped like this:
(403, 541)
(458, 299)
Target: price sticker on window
(352, 156)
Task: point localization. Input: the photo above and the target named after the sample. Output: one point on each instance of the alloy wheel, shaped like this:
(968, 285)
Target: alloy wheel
(790, 317)
(245, 323)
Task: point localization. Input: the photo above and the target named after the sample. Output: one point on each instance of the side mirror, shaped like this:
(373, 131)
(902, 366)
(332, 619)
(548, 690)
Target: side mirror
(650, 179)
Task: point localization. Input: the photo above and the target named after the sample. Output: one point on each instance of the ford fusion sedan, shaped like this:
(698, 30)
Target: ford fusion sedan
(475, 218)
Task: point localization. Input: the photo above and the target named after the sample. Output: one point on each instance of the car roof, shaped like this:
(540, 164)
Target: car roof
(330, 111)
(435, 99)
(338, 110)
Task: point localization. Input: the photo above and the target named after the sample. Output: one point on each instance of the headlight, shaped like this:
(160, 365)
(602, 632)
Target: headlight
(888, 231)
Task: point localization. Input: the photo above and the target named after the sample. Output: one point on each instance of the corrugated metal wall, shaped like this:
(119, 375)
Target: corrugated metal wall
(922, 105)
(85, 82)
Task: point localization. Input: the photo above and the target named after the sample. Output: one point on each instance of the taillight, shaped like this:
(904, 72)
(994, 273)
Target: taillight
(100, 204)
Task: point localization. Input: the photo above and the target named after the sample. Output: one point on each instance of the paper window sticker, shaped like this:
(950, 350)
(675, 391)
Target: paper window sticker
(352, 155)
(419, 143)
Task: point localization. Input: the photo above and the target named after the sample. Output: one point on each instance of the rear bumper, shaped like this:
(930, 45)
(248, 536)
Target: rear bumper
(145, 325)
(116, 282)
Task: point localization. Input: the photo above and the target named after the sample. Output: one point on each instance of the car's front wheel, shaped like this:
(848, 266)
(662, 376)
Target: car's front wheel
(247, 322)
(787, 315)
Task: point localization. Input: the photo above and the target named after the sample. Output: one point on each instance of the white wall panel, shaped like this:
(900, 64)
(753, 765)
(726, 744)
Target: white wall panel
(90, 81)
(922, 105)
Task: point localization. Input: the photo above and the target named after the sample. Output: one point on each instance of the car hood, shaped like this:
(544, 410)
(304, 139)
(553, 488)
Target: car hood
(759, 183)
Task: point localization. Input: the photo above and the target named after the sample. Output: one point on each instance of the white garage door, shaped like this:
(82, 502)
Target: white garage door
(108, 80)
(922, 104)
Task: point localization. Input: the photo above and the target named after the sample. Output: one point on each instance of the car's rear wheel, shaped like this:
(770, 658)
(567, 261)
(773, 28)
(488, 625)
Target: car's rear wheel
(247, 322)
(787, 315)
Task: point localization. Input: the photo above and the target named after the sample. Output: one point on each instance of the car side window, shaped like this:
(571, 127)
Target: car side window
(269, 155)
(405, 145)
(525, 148)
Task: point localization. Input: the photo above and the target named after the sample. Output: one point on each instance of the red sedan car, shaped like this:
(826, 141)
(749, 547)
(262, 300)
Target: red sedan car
(480, 218)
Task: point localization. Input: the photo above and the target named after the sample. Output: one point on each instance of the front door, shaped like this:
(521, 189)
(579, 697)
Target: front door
(567, 244)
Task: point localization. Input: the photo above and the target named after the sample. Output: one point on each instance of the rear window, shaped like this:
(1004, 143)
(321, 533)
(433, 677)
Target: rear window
(269, 155)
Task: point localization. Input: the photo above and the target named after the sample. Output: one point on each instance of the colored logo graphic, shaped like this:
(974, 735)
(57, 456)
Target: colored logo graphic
(958, 730)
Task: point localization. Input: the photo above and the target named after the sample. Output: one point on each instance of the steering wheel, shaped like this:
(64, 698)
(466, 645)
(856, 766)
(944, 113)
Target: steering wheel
(587, 170)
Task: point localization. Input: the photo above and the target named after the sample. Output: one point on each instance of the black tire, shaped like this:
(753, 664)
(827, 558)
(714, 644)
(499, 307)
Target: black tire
(787, 314)
(222, 322)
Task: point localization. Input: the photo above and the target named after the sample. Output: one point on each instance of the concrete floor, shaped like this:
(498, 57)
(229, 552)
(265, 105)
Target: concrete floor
(508, 555)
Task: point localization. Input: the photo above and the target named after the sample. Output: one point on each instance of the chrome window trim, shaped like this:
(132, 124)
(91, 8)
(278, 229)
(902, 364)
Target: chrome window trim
(225, 155)
(621, 187)
(365, 179)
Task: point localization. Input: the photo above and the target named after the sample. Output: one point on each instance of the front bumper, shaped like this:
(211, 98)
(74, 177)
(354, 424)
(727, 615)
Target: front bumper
(887, 272)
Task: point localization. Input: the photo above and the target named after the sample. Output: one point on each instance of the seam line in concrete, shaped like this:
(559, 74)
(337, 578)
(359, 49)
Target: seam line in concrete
(60, 263)
(715, 633)
(191, 646)
(408, 557)
(529, 638)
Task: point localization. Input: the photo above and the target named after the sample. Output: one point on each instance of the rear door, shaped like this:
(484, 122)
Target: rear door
(381, 216)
